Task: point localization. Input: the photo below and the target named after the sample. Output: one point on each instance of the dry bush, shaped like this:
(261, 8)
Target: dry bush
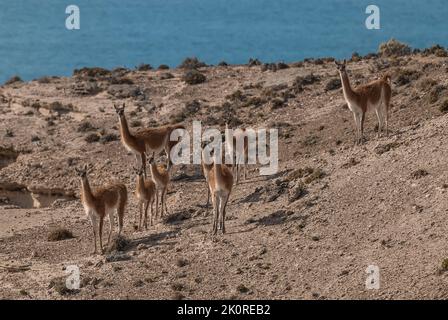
(333, 84)
(394, 48)
(118, 243)
(444, 107)
(91, 138)
(144, 67)
(192, 63)
(193, 77)
(405, 76)
(12, 80)
(59, 233)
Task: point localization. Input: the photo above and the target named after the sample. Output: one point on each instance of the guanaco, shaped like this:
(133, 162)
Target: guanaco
(102, 201)
(220, 180)
(145, 192)
(374, 95)
(161, 178)
(150, 140)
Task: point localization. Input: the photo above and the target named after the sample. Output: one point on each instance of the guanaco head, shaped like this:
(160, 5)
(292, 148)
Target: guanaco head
(341, 66)
(82, 172)
(119, 110)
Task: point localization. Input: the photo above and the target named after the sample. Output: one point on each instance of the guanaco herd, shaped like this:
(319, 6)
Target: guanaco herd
(149, 142)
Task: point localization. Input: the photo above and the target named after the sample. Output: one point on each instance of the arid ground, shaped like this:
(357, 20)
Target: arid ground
(309, 232)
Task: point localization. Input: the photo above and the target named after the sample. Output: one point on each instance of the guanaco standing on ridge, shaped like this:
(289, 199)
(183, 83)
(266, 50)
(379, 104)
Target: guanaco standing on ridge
(102, 201)
(161, 178)
(220, 180)
(145, 192)
(239, 157)
(374, 95)
(149, 140)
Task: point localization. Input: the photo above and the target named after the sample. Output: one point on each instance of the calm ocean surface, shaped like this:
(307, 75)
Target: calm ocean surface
(34, 41)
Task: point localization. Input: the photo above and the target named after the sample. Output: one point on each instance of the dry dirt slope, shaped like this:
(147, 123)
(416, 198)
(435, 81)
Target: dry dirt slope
(306, 233)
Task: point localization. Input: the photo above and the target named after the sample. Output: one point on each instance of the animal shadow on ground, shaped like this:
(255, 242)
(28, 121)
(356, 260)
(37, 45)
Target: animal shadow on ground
(154, 239)
(276, 218)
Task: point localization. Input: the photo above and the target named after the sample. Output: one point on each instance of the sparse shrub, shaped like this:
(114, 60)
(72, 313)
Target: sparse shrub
(310, 140)
(282, 65)
(35, 138)
(435, 93)
(427, 83)
(118, 243)
(445, 264)
(405, 76)
(420, 173)
(136, 123)
(309, 79)
(91, 138)
(277, 103)
(91, 72)
(192, 63)
(241, 288)
(59, 107)
(444, 107)
(394, 48)
(121, 80)
(254, 62)
(58, 234)
(9, 133)
(333, 84)
(109, 137)
(44, 80)
(85, 126)
(436, 50)
(356, 57)
(144, 67)
(177, 286)
(297, 192)
(13, 79)
(181, 262)
(193, 77)
(163, 67)
(166, 76)
(222, 64)
(316, 175)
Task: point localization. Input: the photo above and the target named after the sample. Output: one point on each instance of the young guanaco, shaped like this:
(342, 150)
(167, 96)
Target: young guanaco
(145, 192)
(101, 201)
(220, 180)
(161, 178)
(375, 95)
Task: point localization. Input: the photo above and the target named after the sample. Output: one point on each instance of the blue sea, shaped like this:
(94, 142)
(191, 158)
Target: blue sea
(35, 42)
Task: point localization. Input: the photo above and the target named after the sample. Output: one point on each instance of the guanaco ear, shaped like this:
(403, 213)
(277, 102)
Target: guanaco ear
(336, 63)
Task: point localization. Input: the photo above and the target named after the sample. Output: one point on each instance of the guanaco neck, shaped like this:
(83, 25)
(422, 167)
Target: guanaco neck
(346, 87)
(87, 195)
(124, 130)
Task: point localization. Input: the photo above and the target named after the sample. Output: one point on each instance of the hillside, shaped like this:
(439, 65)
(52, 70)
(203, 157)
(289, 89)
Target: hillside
(308, 232)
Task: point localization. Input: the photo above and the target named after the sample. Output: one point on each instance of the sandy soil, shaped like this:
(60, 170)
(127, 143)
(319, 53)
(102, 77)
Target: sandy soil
(382, 203)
